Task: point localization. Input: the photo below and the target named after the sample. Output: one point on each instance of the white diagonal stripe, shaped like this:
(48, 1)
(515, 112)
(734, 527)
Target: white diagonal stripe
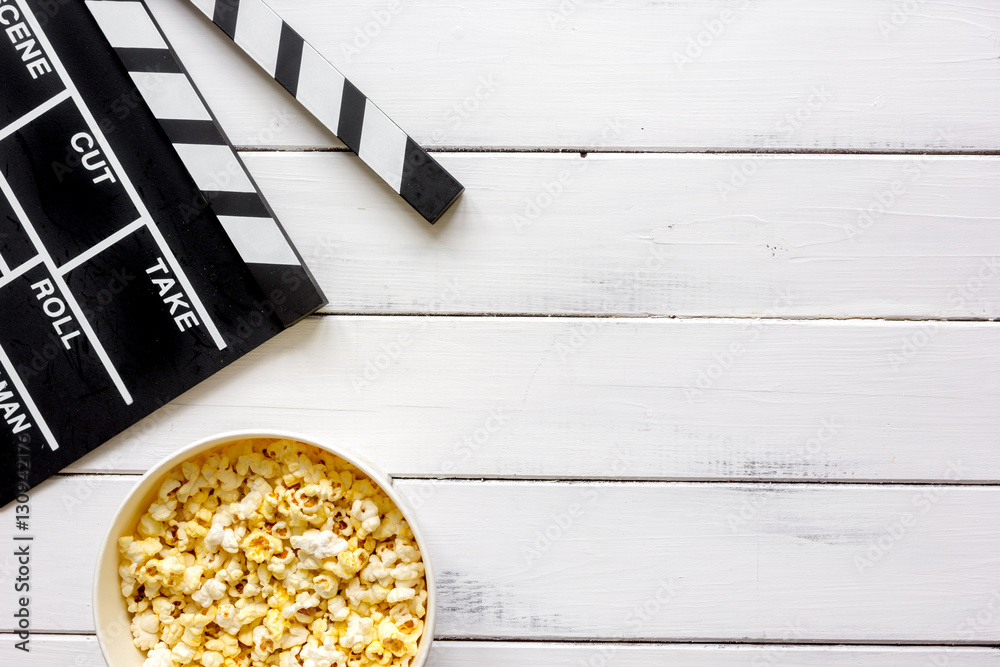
(321, 88)
(170, 96)
(207, 7)
(214, 168)
(259, 240)
(127, 25)
(258, 32)
(383, 146)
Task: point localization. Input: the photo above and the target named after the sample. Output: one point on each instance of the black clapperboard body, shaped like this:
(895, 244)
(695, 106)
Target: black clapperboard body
(137, 257)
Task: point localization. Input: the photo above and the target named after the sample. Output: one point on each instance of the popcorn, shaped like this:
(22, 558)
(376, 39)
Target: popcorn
(326, 654)
(366, 512)
(392, 638)
(358, 633)
(225, 618)
(325, 585)
(212, 590)
(271, 553)
(400, 594)
(319, 544)
(259, 546)
(296, 636)
(159, 657)
(138, 551)
(145, 627)
(337, 609)
(263, 643)
(191, 580)
(182, 654)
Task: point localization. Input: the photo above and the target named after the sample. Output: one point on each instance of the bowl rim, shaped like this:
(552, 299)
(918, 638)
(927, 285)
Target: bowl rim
(203, 445)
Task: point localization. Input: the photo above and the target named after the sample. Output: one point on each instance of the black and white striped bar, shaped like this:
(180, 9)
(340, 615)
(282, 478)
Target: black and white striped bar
(214, 166)
(337, 103)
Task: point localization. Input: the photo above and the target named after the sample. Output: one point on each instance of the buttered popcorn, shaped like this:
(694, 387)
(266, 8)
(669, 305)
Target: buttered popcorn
(273, 553)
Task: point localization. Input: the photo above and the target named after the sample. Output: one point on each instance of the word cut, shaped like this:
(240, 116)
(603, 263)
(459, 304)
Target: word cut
(92, 158)
(175, 300)
(20, 36)
(55, 307)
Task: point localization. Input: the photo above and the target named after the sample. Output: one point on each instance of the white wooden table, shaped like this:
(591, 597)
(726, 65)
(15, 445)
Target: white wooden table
(701, 370)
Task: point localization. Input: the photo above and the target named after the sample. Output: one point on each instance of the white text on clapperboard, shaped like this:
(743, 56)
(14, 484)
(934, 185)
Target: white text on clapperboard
(20, 36)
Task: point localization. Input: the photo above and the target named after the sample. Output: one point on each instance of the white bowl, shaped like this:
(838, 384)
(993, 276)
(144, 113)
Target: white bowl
(111, 615)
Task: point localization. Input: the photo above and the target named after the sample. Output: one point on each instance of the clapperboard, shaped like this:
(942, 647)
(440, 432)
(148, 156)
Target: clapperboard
(137, 256)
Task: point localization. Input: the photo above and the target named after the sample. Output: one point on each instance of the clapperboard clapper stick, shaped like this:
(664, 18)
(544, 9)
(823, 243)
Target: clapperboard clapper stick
(337, 103)
(212, 163)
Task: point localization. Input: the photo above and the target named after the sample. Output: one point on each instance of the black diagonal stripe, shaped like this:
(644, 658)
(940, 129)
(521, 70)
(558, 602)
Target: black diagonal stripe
(225, 14)
(243, 204)
(192, 132)
(148, 60)
(352, 116)
(291, 290)
(426, 186)
(286, 71)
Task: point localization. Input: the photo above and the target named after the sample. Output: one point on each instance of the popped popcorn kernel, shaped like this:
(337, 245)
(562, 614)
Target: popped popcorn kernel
(272, 553)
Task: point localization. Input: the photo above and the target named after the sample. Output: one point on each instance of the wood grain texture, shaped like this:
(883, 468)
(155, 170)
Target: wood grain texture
(652, 561)
(778, 74)
(609, 398)
(83, 651)
(802, 236)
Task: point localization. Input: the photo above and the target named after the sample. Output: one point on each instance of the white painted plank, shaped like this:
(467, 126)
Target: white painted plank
(656, 561)
(630, 398)
(637, 234)
(503, 654)
(82, 651)
(780, 74)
